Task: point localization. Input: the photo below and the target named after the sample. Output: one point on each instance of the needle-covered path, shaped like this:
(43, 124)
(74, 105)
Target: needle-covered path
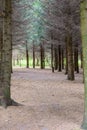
(50, 102)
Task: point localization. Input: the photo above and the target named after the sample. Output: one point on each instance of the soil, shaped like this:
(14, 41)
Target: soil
(48, 101)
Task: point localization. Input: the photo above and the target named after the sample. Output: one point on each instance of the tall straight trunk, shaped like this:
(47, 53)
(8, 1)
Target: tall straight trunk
(27, 56)
(11, 57)
(56, 57)
(60, 58)
(5, 93)
(81, 55)
(52, 57)
(66, 69)
(52, 52)
(1, 40)
(70, 58)
(33, 56)
(84, 49)
(42, 51)
(76, 62)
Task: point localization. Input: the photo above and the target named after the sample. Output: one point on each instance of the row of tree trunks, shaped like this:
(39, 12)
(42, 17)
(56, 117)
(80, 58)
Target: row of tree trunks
(42, 57)
(57, 57)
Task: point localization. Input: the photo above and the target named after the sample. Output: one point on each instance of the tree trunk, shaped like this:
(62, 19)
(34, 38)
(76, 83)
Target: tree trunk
(84, 46)
(1, 40)
(56, 58)
(27, 56)
(81, 59)
(42, 56)
(76, 64)
(11, 49)
(5, 94)
(52, 57)
(60, 58)
(66, 71)
(70, 58)
(33, 56)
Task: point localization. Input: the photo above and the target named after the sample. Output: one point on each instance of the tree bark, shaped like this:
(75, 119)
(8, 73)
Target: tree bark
(84, 49)
(66, 69)
(27, 56)
(33, 56)
(1, 40)
(70, 58)
(56, 57)
(42, 56)
(60, 58)
(76, 64)
(81, 55)
(52, 57)
(11, 45)
(5, 93)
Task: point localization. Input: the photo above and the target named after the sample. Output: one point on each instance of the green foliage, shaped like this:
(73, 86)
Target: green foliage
(32, 15)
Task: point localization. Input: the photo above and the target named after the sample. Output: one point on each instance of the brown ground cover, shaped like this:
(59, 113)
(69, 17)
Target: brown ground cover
(49, 101)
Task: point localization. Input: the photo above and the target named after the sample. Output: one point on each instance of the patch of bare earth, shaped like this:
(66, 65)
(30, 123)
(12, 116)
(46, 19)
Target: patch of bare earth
(50, 102)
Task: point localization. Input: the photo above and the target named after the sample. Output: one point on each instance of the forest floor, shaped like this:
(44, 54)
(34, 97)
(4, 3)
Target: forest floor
(49, 101)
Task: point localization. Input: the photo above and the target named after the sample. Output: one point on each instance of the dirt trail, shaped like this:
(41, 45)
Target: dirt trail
(50, 102)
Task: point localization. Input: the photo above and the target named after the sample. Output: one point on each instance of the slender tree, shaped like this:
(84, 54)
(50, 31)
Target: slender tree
(0, 52)
(60, 58)
(52, 57)
(76, 60)
(33, 56)
(42, 55)
(56, 57)
(27, 56)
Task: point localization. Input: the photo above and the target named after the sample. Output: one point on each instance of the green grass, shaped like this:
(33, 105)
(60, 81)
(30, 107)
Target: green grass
(22, 63)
